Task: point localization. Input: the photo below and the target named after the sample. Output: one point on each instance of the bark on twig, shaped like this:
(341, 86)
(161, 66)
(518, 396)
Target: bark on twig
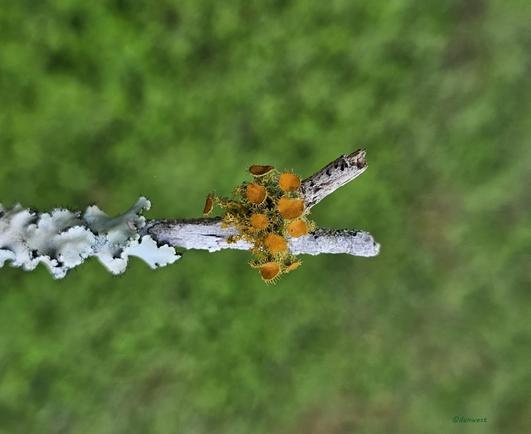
(208, 234)
(336, 174)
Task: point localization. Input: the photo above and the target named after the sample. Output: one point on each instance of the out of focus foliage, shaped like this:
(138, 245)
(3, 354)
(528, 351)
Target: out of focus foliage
(101, 102)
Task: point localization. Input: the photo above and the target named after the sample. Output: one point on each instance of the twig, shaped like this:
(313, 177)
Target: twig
(208, 234)
(336, 174)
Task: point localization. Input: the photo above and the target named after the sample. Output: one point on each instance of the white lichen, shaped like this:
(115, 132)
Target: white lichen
(62, 239)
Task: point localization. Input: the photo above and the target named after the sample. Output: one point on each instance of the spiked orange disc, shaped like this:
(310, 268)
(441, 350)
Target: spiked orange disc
(275, 243)
(297, 228)
(256, 193)
(258, 170)
(259, 221)
(290, 208)
(289, 182)
(292, 266)
(269, 271)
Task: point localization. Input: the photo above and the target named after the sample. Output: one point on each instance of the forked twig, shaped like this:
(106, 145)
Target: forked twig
(208, 233)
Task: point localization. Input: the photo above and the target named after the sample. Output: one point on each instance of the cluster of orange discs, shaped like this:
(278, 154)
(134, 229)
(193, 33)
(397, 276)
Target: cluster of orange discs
(267, 211)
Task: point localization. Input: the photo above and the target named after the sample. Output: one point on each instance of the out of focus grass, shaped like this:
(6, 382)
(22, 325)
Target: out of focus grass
(101, 102)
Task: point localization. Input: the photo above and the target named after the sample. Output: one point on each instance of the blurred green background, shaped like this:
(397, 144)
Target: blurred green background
(101, 102)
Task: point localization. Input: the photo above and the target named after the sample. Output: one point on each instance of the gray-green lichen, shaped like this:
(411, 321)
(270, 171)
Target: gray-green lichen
(62, 239)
